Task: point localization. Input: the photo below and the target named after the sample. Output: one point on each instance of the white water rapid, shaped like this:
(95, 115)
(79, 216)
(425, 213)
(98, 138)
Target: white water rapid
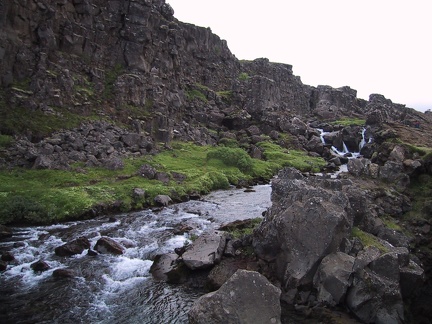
(108, 288)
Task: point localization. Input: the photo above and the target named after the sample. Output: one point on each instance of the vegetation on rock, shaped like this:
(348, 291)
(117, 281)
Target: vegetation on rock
(47, 196)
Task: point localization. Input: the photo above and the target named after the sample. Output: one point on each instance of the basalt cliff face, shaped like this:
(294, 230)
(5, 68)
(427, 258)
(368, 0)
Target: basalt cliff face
(134, 63)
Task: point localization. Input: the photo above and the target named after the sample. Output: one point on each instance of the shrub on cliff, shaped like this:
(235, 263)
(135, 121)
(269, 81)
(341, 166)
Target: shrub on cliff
(232, 157)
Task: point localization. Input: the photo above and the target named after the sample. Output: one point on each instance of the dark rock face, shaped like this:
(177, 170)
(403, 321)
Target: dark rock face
(74, 247)
(306, 238)
(247, 297)
(309, 222)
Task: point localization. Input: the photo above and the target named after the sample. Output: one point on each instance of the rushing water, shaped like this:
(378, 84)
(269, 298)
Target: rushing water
(108, 288)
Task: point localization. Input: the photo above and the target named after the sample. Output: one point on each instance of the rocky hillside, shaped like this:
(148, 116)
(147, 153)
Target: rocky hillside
(93, 82)
(133, 64)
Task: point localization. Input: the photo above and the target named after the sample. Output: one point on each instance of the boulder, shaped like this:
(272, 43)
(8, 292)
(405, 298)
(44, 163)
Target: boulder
(374, 299)
(7, 257)
(108, 245)
(162, 200)
(307, 221)
(167, 267)
(247, 297)
(64, 273)
(333, 278)
(76, 246)
(412, 278)
(40, 266)
(3, 266)
(206, 250)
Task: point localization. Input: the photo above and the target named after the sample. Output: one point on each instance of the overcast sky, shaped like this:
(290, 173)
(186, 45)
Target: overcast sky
(380, 46)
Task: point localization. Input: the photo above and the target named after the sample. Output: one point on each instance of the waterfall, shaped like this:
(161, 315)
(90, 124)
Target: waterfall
(363, 141)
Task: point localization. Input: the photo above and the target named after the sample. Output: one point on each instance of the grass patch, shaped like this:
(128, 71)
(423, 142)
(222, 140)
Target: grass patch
(243, 76)
(110, 79)
(282, 157)
(349, 122)
(368, 239)
(49, 196)
(20, 120)
(246, 228)
(193, 94)
(420, 191)
(5, 140)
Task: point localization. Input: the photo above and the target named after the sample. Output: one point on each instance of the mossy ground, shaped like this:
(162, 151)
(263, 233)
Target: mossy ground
(49, 196)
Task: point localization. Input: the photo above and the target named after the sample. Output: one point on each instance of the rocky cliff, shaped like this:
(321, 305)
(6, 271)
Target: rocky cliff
(132, 63)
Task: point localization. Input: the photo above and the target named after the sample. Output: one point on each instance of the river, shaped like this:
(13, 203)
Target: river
(108, 288)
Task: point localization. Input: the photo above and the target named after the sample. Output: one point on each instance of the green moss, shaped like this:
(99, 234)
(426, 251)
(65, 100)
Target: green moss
(290, 158)
(243, 76)
(242, 231)
(349, 122)
(110, 79)
(368, 239)
(5, 141)
(20, 120)
(49, 196)
(420, 191)
(193, 94)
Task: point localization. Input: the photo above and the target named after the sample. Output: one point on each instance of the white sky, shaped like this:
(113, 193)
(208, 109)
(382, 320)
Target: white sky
(380, 46)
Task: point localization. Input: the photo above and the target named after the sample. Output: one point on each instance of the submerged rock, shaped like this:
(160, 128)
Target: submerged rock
(108, 245)
(64, 273)
(40, 266)
(76, 246)
(247, 297)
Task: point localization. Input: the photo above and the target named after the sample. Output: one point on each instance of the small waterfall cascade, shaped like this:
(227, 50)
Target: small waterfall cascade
(345, 150)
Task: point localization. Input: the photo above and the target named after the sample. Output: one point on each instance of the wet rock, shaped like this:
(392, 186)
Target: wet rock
(64, 273)
(3, 266)
(108, 245)
(206, 250)
(92, 253)
(162, 200)
(167, 267)
(247, 297)
(5, 232)
(7, 257)
(40, 266)
(76, 246)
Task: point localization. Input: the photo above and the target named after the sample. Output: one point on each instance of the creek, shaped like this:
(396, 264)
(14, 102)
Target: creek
(108, 288)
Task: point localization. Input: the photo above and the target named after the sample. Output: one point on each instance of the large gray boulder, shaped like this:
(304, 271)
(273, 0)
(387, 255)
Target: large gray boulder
(247, 297)
(307, 221)
(206, 250)
(333, 277)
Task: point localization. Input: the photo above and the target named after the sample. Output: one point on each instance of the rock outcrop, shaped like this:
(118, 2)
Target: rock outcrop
(247, 297)
(314, 235)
